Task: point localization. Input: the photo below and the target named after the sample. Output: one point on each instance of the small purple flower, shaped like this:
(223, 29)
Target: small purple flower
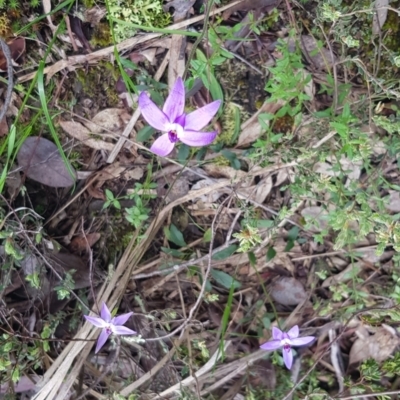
(177, 124)
(109, 325)
(286, 341)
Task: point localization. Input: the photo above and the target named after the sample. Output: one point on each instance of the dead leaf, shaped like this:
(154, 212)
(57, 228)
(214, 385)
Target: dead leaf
(251, 130)
(181, 8)
(316, 218)
(248, 5)
(287, 291)
(223, 171)
(393, 201)
(346, 275)
(379, 346)
(321, 58)
(379, 19)
(108, 120)
(172, 188)
(351, 169)
(3, 127)
(94, 15)
(13, 182)
(17, 49)
(83, 243)
(79, 132)
(42, 162)
(211, 197)
(64, 261)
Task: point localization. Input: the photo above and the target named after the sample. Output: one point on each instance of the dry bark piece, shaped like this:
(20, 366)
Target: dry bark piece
(42, 162)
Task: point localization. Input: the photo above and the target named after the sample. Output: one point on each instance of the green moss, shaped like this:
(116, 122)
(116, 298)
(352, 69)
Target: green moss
(101, 35)
(103, 90)
(140, 12)
(5, 26)
(232, 116)
(221, 161)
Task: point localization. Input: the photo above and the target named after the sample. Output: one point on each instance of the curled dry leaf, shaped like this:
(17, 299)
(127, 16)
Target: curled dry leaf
(379, 346)
(251, 130)
(347, 274)
(41, 161)
(108, 120)
(79, 132)
(287, 291)
(209, 198)
(223, 171)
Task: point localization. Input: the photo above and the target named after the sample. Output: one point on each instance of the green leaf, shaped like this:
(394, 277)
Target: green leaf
(221, 255)
(174, 235)
(252, 258)
(183, 153)
(265, 223)
(207, 235)
(271, 253)
(224, 279)
(172, 252)
(145, 133)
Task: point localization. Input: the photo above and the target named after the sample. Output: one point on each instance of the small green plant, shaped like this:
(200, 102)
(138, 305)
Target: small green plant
(126, 13)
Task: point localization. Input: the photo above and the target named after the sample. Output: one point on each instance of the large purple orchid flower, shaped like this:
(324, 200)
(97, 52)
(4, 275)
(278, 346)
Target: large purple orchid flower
(178, 125)
(286, 341)
(109, 325)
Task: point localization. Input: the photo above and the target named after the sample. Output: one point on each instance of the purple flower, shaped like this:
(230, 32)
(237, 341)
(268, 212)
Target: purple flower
(286, 341)
(177, 124)
(109, 325)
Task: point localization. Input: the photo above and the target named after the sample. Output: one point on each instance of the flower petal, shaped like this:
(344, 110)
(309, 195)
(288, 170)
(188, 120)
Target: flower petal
(271, 345)
(175, 103)
(99, 322)
(121, 319)
(162, 146)
(123, 330)
(198, 119)
(105, 313)
(277, 334)
(294, 332)
(152, 114)
(301, 341)
(101, 340)
(195, 138)
(288, 357)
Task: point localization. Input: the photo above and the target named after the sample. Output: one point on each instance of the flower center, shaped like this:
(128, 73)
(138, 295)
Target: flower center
(174, 132)
(108, 329)
(286, 347)
(172, 136)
